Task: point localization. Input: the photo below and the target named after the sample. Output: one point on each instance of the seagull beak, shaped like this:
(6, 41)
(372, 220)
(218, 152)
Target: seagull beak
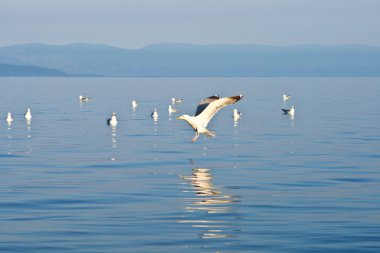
(180, 117)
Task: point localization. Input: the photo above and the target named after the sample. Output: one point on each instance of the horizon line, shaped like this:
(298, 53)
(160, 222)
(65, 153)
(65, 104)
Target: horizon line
(189, 44)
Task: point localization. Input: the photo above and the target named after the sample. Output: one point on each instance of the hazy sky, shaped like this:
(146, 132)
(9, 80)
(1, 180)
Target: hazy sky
(136, 23)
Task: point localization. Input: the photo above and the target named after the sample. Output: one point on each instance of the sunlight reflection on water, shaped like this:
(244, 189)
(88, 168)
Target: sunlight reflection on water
(267, 182)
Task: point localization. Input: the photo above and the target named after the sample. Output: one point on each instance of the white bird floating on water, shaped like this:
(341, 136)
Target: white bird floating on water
(290, 111)
(236, 115)
(154, 114)
(206, 110)
(177, 100)
(28, 115)
(286, 97)
(9, 118)
(134, 104)
(112, 121)
(171, 109)
(84, 99)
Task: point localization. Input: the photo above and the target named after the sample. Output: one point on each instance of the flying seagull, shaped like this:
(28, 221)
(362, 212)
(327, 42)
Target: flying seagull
(206, 109)
(290, 111)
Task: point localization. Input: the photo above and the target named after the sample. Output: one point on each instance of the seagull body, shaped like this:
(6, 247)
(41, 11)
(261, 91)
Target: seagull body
(286, 97)
(290, 111)
(154, 114)
(83, 99)
(171, 109)
(206, 110)
(177, 100)
(28, 115)
(9, 118)
(134, 104)
(112, 121)
(236, 114)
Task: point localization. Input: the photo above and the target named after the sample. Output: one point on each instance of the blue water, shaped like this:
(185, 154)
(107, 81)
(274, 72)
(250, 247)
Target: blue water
(267, 183)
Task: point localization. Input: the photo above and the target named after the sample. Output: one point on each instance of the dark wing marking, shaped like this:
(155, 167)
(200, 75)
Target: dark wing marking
(215, 106)
(204, 103)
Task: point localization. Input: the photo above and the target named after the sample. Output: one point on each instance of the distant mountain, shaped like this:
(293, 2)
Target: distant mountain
(171, 59)
(22, 70)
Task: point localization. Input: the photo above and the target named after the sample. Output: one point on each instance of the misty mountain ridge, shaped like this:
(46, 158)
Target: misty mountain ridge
(179, 59)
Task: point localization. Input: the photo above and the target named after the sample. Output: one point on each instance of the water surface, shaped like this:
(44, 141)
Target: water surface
(267, 183)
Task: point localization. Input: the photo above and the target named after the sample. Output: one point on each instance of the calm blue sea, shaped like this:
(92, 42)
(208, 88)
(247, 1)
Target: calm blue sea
(266, 183)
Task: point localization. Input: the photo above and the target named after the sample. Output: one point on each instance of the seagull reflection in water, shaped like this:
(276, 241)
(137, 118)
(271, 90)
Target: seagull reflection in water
(213, 203)
(113, 140)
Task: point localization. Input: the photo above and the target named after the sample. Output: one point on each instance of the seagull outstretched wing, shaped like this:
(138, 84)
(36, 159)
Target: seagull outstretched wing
(213, 106)
(204, 103)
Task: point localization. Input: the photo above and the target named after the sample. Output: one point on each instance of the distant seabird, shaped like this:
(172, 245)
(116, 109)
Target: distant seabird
(171, 109)
(112, 121)
(290, 111)
(9, 118)
(28, 115)
(177, 100)
(83, 99)
(134, 104)
(236, 114)
(206, 110)
(154, 114)
(286, 97)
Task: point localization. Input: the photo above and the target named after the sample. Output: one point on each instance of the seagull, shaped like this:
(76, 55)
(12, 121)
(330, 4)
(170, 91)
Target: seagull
(206, 109)
(289, 111)
(112, 121)
(28, 115)
(286, 97)
(236, 114)
(83, 99)
(134, 104)
(171, 109)
(9, 118)
(154, 114)
(177, 100)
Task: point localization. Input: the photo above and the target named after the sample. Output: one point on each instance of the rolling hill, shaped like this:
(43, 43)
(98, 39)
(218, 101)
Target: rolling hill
(170, 59)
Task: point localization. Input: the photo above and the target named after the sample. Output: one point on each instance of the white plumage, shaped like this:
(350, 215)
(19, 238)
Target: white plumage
(28, 114)
(154, 114)
(112, 121)
(171, 109)
(206, 110)
(84, 99)
(290, 111)
(286, 97)
(134, 104)
(177, 100)
(9, 118)
(236, 115)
